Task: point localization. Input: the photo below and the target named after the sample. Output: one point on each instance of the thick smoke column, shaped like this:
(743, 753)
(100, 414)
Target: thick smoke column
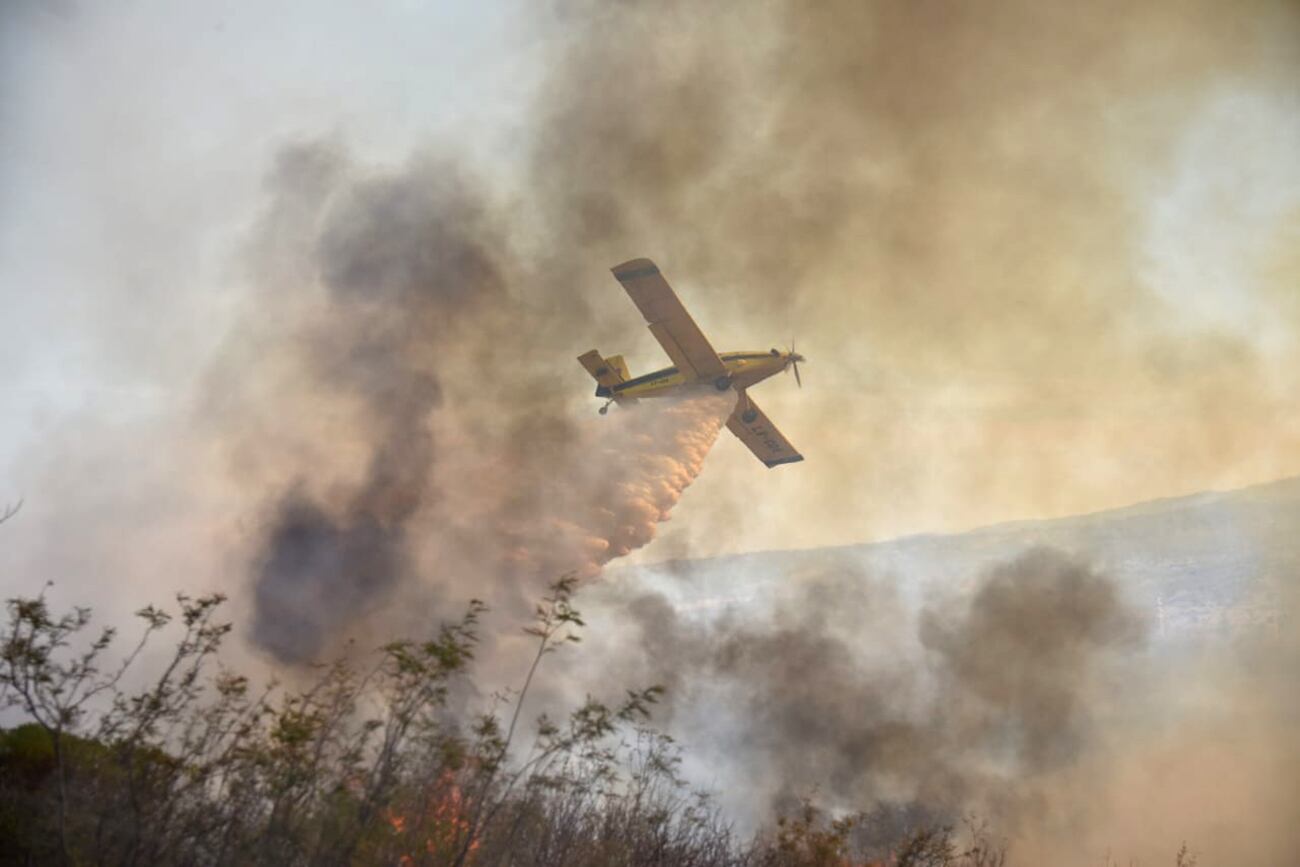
(319, 575)
(390, 269)
(405, 453)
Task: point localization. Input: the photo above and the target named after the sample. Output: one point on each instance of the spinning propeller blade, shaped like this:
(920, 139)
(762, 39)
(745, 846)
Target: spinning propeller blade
(795, 358)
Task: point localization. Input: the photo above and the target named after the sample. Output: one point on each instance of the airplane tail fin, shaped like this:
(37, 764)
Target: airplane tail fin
(608, 372)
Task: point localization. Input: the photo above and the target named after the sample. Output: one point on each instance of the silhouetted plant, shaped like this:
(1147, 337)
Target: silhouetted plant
(363, 765)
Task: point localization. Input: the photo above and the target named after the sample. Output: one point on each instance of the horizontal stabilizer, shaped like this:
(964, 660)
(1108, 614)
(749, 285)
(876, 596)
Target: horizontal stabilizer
(608, 372)
(617, 363)
(600, 369)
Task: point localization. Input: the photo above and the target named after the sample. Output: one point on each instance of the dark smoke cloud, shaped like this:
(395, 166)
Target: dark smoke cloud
(406, 452)
(395, 268)
(1026, 695)
(318, 573)
(386, 259)
(1021, 658)
(833, 695)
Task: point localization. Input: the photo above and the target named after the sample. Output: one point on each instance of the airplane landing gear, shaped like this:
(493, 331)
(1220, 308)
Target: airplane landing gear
(604, 409)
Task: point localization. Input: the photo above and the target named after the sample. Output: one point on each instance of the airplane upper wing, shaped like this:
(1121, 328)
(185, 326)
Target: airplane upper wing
(669, 322)
(756, 431)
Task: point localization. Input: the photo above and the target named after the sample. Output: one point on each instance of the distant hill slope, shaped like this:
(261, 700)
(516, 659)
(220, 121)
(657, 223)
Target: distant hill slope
(1205, 563)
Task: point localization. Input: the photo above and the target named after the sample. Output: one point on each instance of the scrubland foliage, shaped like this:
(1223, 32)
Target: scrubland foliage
(365, 764)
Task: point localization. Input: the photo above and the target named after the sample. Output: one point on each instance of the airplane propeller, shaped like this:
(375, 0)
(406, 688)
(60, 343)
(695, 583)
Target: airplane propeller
(795, 358)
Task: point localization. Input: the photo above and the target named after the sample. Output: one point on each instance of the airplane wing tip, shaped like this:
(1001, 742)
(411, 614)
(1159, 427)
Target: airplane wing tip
(792, 459)
(635, 268)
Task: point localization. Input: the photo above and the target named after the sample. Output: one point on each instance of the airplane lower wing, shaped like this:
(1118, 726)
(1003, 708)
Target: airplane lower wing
(669, 322)
(757, 431)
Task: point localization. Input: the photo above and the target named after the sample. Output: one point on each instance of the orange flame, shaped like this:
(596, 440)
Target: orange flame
(443, 820)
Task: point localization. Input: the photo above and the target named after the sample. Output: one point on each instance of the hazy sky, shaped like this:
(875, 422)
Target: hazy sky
(1033, 279)
(134, 143)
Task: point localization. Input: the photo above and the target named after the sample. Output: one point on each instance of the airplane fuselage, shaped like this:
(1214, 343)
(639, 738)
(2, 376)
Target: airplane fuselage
(696, 365)
(743, 370)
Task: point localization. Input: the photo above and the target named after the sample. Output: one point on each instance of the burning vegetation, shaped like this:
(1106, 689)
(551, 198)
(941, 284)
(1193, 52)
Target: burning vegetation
(363, 765)
(368, 764)
(384, 762)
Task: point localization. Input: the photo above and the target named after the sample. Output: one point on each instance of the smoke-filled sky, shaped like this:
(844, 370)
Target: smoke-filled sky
(281, 281)
(292, 297)
(1042, 258)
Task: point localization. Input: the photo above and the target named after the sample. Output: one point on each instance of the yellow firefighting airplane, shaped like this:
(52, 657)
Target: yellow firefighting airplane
(695, 363)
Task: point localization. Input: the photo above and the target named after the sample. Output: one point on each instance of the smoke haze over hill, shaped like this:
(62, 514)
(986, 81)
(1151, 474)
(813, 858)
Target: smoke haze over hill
(1129, 686)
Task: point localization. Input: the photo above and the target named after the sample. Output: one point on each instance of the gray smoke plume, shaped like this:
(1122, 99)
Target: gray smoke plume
(1017, 668)
(387, 258)
(409, 455)
(834, 695)
(386, 269)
